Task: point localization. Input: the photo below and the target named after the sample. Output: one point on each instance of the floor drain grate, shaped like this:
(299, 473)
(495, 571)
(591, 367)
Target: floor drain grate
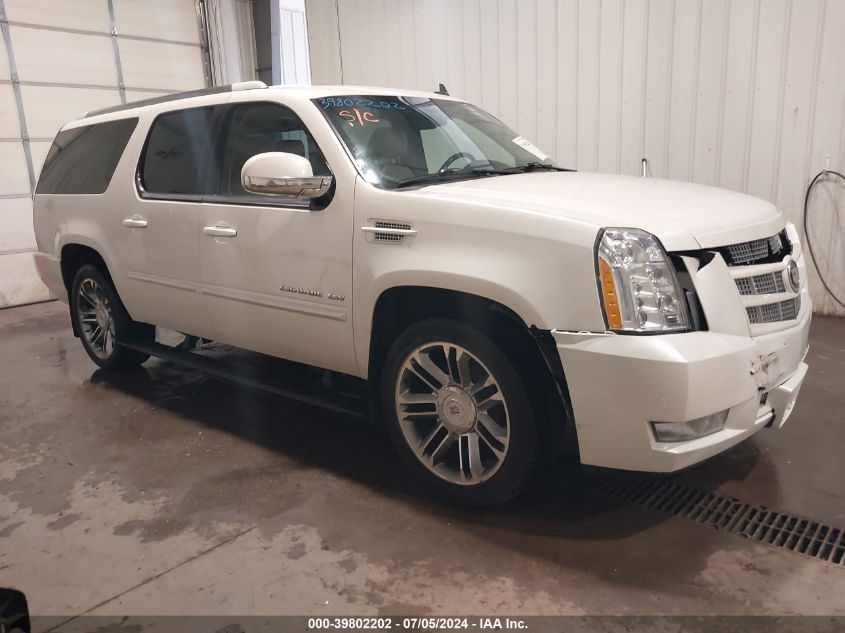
(755, 522)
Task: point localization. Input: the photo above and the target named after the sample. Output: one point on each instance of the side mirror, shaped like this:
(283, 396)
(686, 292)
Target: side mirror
(283, 174)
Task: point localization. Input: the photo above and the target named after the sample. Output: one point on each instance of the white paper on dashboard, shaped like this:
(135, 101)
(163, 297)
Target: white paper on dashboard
(528, 146)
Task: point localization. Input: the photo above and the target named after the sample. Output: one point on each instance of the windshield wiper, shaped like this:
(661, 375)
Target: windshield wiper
(457, 174)
(443, 176)
(528, 167)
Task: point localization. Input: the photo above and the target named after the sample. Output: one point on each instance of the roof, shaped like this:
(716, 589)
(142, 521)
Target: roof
(303, 92)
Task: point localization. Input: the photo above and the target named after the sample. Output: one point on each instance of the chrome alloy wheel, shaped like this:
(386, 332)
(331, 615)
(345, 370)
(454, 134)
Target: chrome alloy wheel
(452, 413)
(96, 319)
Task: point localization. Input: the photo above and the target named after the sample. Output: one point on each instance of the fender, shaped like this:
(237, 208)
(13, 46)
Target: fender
(93, 243)
(485, 289)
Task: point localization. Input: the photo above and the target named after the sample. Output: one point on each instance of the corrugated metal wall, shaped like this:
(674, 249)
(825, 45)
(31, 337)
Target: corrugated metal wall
(743, 94)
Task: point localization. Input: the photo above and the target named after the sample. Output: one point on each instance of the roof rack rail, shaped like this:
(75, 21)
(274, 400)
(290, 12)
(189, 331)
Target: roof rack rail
(176, 96)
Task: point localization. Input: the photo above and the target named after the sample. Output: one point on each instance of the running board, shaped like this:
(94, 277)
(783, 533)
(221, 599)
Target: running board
(227, 371)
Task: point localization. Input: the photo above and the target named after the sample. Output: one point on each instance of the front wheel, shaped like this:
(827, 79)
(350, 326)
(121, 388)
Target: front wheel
(103, 323)
(458, 413)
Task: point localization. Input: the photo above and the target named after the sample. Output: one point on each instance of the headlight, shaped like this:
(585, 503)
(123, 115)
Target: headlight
(638, 286)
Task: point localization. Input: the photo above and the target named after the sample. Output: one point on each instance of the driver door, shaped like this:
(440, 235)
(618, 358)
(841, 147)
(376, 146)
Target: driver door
(277, 270)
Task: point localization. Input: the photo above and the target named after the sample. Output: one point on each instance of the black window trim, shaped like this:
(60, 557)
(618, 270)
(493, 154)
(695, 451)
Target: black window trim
(220, 122)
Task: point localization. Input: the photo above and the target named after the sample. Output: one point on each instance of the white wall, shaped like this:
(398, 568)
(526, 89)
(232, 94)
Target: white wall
(743, 94)
(59, 59)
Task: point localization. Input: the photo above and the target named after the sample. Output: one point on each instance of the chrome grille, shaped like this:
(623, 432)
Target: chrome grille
(747, 252)
(774, 312)
(767, 283)
(775, 244)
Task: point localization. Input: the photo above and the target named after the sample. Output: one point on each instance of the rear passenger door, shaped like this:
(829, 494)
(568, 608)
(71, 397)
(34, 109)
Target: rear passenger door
(160, 227)
(276, 270)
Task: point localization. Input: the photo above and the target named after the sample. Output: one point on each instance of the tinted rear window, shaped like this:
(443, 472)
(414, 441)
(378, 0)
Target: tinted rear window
(83, 160)
(177, 153)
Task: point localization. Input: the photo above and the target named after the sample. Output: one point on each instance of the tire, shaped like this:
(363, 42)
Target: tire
(470, 444)
(102, 322)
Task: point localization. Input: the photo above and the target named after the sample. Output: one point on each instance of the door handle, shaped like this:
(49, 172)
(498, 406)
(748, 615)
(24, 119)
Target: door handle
(135, 222)
(220, 231)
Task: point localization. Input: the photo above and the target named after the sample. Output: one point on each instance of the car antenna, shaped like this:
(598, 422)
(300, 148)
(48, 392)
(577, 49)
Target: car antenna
(441, 90)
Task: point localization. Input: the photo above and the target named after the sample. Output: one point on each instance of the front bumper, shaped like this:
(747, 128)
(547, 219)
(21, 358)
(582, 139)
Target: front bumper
(619, 384)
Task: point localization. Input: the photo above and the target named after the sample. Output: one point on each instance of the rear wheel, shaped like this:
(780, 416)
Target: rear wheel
(103, 323)
(458, 413)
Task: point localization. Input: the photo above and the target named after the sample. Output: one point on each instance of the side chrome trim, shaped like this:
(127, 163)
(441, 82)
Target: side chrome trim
(289, 304)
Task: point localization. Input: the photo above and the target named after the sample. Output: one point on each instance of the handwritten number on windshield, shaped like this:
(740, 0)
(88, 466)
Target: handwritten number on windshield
(359, 102)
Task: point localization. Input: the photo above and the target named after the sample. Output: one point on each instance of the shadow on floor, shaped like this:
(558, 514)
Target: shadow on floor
(557, 504)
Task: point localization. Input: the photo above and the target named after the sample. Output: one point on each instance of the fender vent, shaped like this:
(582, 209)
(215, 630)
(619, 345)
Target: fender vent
(390, 237)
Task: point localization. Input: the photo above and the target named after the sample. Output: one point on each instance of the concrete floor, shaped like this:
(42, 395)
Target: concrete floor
(168, 492)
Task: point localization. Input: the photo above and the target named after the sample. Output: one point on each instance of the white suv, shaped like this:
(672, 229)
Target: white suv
(496, 303)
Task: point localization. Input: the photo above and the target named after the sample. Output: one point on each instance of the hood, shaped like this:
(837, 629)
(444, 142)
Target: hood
(684, 216)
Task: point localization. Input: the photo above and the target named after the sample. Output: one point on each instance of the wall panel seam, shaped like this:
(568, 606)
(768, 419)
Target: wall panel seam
(16, 90)
(696, 88)
(59, 84)
(752, 99)
(643, 117)
(787, 30)
(814, 91)
(597, 109)
(577, 103)
(339, 39)
(121, 89)
(723, 81)
(811, 119)
(621, 89)
(64, 29)
(670, 67)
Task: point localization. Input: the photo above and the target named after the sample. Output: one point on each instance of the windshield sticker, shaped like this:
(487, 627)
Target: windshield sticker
(528, 146)
(363, 118)
(359, 102)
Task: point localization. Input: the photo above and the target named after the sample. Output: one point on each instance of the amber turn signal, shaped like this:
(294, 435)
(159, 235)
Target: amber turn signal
(608, 291)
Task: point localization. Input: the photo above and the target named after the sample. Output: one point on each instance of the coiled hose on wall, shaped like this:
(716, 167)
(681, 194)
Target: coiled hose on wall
(819, 176)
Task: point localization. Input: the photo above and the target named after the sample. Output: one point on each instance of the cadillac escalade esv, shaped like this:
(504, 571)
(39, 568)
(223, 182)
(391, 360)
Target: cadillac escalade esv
(495, 303)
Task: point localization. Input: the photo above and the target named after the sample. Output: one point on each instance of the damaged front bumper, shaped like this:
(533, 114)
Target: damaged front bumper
(620, 385)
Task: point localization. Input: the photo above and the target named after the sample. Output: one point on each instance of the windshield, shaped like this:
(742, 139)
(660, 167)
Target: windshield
(401, 141)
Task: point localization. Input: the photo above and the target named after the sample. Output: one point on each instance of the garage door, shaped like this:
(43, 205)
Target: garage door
(59, 59)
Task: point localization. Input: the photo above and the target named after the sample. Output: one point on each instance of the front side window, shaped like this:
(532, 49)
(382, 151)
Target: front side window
(399, 141)
(179, 148)
(256, 128)
(83, 159)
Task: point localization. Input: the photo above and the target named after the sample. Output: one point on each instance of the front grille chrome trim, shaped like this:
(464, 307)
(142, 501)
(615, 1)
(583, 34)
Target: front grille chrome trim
(759, 271)
(756, 251)
(763, 284)
(774, 312)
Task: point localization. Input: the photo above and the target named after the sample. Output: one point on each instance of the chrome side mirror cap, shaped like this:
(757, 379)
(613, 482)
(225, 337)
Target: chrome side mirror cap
(283, 174)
